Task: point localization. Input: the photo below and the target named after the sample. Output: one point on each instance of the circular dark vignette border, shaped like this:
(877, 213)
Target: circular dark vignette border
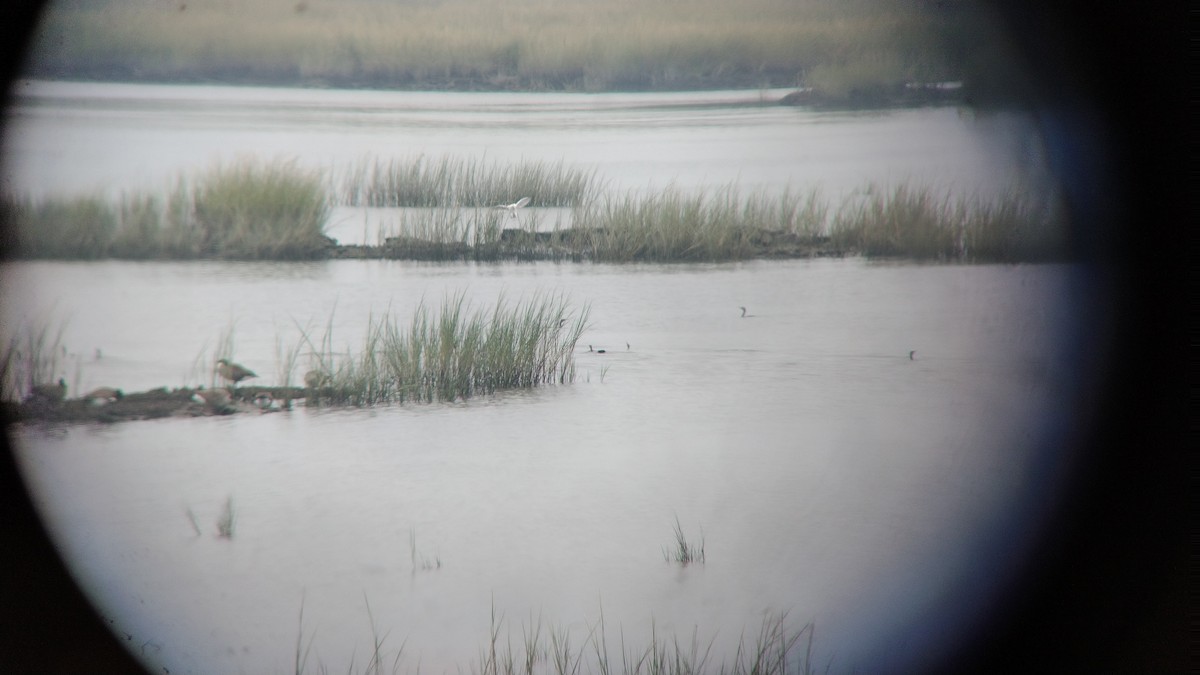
(1107, 587)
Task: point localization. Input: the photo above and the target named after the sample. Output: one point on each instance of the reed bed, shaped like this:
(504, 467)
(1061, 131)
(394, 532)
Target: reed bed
(677, 226)
(78, 228)
(918, 222)
(464, 182)
(277, 211)
(453, 353)
(259, 210)
(497, 44)
(246, 210)
(447, 233)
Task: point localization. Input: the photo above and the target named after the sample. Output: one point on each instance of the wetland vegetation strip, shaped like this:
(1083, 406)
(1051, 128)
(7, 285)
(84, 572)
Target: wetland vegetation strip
(278, 211)
(449, 353)
(462, 182)
(839, 52)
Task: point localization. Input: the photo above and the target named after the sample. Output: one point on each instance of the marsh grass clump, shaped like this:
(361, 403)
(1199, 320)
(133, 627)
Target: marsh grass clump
(908, 221)
(246, 210)
(672, 225)
(683, 551)
(453, 353)
(80, 228)
(464, 183)
(919, 222)
(256, 210)
(1014, 228)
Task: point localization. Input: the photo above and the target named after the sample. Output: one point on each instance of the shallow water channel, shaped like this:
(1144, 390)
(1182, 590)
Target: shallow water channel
(882, 497)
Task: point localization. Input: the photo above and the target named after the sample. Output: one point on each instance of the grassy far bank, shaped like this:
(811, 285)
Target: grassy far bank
(278, 211)
(845, 50)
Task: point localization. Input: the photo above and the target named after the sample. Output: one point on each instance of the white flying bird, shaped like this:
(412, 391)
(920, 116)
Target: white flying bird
(512, 208)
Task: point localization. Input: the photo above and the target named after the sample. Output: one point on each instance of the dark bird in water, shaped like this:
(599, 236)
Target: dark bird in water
(744, 314)
(598, 351)
(234, 372)
(103, 395)
(48, 393)
(910, 355)
(512, 208)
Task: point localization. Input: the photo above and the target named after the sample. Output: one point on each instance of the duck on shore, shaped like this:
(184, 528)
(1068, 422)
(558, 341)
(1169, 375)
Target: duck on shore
(48, 393)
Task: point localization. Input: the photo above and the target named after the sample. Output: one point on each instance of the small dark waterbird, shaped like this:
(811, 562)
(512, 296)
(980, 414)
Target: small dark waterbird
(598, 351)
(744, 314)
(234, 372)
(911, 355)
(512, 208)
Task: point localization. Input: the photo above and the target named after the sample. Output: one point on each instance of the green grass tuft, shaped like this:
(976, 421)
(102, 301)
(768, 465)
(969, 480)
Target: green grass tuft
(453, 353)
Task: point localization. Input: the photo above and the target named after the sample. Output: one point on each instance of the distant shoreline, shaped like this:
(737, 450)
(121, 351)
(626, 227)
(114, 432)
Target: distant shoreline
(833, 54)
(907, 95)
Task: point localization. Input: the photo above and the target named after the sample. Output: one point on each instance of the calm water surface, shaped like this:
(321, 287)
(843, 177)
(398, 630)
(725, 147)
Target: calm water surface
(831, 476)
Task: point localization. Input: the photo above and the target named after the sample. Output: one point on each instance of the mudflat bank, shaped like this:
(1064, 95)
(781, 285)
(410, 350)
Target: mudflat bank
(155, 404)
(578, 245)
